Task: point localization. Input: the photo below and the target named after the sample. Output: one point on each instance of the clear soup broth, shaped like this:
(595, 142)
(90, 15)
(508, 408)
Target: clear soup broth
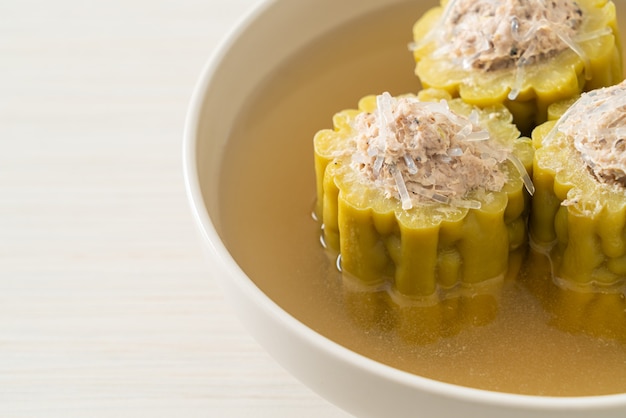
(267, 197)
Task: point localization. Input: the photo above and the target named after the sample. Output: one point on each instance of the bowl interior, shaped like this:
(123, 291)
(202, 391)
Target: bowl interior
(279, 78)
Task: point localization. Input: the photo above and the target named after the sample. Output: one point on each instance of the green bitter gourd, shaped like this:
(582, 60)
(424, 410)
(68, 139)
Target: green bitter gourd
(525, 55)
(409, 237)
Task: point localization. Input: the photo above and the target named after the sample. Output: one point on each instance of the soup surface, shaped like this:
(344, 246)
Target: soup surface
(267, 197)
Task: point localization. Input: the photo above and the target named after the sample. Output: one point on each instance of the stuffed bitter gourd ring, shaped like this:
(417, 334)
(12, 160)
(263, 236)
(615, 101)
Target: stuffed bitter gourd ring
(523, 54)
(579, 209)
(422, 198)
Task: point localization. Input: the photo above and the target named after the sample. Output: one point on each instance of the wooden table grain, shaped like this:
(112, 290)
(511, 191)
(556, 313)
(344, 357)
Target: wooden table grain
(107, 306)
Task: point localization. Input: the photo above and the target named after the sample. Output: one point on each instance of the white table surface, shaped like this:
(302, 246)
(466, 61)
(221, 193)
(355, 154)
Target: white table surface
(107, 307)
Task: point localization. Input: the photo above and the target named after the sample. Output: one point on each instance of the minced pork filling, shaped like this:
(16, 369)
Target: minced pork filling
(596, 125)
(495, 34)
(423, 152)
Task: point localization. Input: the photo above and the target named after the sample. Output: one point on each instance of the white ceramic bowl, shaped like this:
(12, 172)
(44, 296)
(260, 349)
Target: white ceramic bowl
(270, 34)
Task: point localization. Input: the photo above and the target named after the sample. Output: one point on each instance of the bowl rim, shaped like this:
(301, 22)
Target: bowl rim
(218, 251)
